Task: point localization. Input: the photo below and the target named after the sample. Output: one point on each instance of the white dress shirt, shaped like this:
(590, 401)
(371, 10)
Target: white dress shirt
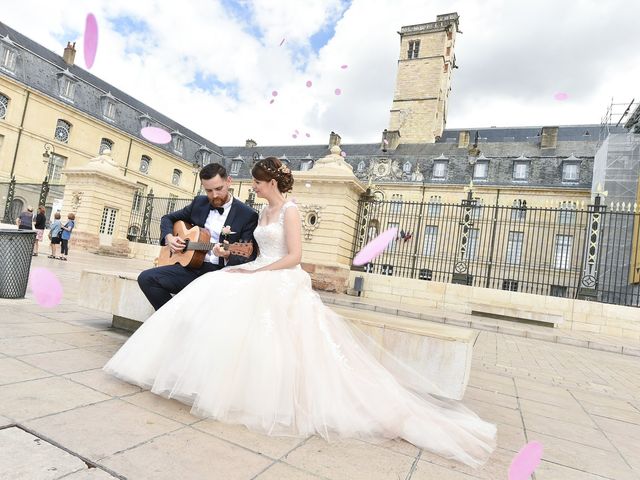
(214, 224)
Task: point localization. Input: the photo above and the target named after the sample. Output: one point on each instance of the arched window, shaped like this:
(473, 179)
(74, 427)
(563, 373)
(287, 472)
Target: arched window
(63, 129)
(105, 144)
(361, 166)
(145, 164)
(4, 105)
(175, 178)
(406, 168)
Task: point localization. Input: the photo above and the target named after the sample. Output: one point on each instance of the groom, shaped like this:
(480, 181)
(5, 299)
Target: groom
(214, 211)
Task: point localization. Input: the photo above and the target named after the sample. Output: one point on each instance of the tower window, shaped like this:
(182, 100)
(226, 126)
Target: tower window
(414, 49)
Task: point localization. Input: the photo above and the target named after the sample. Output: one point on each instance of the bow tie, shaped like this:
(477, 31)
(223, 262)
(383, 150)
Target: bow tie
(219, 209)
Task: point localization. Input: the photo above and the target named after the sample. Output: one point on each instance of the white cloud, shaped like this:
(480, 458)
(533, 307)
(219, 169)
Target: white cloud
(513, 57)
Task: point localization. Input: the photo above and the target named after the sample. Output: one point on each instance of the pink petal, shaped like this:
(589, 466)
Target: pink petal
(274, 93)
(156, 135)
(46, 287)
(90, 40)
(309, 83)
(281, 42)
(344, 154)
(343, 66)
(561, 96)
(308, 135)
(385, 141)
(272, 100)
(375, 247)
(338, 91)
(526, 461)
(294, 135)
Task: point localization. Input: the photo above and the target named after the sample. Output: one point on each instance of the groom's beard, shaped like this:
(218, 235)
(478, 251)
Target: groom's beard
(218, 202)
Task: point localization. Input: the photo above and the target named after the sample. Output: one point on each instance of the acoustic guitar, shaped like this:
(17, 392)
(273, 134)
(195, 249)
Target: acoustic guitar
(197, 245)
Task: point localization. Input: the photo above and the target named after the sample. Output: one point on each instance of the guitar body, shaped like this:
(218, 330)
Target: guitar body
(186, 258)
(197, 245)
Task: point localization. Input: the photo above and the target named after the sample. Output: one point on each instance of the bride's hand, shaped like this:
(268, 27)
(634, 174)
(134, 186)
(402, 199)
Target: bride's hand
(237, 270)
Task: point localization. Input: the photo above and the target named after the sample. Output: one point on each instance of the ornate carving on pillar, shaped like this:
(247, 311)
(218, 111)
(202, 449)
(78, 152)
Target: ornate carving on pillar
(310, 215)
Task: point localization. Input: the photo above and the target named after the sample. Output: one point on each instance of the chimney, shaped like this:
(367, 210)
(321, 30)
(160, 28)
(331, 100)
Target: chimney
(69, 53)
(334, 139)
(249, 143)
(463, 139)
(390, 139)
(549, 137)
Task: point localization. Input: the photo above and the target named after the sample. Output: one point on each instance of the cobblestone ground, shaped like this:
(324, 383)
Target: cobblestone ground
(61, 417)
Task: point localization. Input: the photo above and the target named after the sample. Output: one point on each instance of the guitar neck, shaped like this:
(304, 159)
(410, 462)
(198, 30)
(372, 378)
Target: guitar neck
(200, 246)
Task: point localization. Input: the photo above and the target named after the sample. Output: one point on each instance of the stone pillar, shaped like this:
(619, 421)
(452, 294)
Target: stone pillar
(92, 191)
(327, 197)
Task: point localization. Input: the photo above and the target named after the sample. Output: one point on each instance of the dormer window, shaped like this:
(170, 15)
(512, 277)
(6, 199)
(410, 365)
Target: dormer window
(177, 140)
(481, 170)
(306, 165)
(9, 55)
(521, 169)
(66, 85)
(235, 165)
(440, 167)
(571, 169)
(108, 106)
(145, 120)
(203, 155)
(361, 166)
(414, 49)
(406, 168)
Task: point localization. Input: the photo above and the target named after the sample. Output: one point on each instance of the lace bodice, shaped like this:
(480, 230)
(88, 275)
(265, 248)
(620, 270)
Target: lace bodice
(270, 237)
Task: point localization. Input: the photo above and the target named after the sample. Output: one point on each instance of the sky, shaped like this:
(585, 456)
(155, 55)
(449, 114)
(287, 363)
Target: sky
(214, 65)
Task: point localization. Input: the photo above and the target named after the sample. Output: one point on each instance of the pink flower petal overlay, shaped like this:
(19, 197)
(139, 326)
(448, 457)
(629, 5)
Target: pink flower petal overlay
(156, 135)
(308, 135)
(375, 247)
(309, 83)
(344, 154)
(271, 101)
(281, 42)
(45, 286)
(337, 91)
(343, 66)
(561, 96)
(90, 40)
(274, 93)
(526, 461)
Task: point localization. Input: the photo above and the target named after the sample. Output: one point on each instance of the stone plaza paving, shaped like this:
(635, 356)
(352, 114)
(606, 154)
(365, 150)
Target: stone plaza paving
(61, 417)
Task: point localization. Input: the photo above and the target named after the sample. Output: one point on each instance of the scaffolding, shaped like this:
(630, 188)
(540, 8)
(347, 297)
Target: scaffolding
(615, 115)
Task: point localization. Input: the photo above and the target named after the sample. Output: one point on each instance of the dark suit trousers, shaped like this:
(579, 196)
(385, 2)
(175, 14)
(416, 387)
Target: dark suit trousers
(158, 284)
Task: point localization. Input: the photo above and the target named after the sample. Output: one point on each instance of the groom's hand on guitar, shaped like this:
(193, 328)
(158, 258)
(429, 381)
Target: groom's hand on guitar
(220, 251)
(176, 244)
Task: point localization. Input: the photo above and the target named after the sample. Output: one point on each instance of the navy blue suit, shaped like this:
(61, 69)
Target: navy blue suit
(158, 284)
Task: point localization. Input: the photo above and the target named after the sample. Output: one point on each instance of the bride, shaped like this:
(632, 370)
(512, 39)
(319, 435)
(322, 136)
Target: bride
(255, 345)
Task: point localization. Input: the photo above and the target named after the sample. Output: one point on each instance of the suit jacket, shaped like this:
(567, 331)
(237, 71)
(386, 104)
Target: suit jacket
(241, 218)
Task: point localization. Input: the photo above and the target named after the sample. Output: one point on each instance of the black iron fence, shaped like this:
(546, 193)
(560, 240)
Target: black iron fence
(589, 251)
(16, 197)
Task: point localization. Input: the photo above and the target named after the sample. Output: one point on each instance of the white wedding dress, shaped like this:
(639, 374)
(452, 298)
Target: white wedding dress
(263, 350)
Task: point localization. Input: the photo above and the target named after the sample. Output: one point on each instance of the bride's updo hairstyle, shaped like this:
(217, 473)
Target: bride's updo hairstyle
(271, 168)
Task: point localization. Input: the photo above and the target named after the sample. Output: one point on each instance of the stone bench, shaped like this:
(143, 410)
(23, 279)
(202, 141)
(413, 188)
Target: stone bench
(438, 351)
(517, 314)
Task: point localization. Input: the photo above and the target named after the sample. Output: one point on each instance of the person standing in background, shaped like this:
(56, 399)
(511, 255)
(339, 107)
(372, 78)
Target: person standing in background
(41, 223)
(55, 233)
(66, 235)
(25, 219)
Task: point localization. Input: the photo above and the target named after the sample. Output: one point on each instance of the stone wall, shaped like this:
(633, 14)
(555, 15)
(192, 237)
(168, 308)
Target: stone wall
(564, 313)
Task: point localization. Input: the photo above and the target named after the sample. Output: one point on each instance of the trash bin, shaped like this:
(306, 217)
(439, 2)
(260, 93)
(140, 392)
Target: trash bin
(16, 249)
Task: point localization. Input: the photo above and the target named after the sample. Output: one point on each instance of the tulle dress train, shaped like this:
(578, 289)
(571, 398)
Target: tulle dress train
(262, 350)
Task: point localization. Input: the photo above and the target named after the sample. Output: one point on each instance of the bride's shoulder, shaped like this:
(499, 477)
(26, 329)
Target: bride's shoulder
(288, 204)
